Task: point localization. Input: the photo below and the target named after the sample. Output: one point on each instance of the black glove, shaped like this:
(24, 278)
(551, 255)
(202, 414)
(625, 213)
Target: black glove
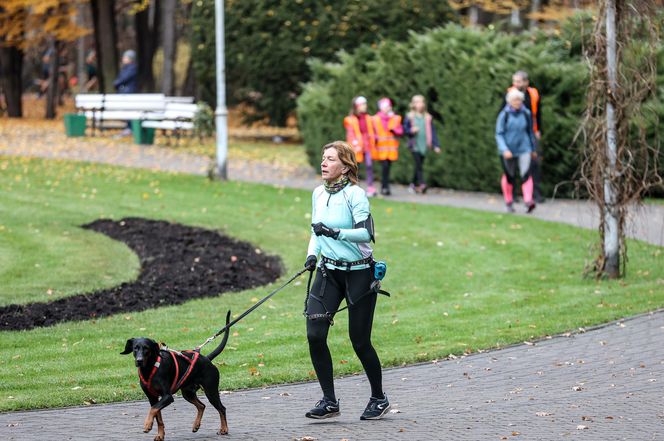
(310, 263)
(320, 229)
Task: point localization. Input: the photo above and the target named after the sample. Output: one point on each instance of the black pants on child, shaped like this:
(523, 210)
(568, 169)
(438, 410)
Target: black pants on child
(385, 179)
(418, 177)
(338, 285)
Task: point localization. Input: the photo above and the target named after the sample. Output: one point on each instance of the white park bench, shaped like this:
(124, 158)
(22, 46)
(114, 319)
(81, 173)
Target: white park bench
(105, 110)
(177, 118)
(174, 113)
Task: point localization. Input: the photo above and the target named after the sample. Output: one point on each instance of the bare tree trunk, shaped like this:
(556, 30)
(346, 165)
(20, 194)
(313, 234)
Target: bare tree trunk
(611, 220)
(473, 15)
(53, 77)
(534, 9)
(11, 82)
(147, 40)
(515, 17)
(189, 85)
(168, 44)
(103, 13)
(80, 50)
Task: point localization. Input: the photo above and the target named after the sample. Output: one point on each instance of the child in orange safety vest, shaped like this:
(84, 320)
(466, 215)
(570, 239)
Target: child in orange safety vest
(361, 135)
(388, 130)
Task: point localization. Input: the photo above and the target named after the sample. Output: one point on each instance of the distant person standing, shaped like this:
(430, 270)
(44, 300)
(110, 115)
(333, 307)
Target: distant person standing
(516, 145)
(388, 130)
(521, 82)
(422, 137)
(91, 70)
(127, 80)
(361, 135)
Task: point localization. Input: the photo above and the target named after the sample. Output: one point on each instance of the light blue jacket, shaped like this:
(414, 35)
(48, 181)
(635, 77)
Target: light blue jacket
(341, 210)
(514, 131)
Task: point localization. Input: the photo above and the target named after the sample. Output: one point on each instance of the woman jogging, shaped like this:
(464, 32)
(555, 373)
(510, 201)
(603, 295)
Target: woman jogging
(361, 135)
(516, 145)
(422, 137)
(342, 229)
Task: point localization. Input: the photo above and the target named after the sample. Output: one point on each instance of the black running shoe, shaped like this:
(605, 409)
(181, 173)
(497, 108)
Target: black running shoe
(376, 409)
(324, 409)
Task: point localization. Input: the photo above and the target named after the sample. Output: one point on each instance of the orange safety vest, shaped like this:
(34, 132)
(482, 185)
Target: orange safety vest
(534, 104)
(355, 139)
(387, 145)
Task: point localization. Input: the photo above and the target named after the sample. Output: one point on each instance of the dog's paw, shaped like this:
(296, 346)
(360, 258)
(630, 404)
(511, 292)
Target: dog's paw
(195, 427)
(222, 432)
(147, 426)
(159, 438)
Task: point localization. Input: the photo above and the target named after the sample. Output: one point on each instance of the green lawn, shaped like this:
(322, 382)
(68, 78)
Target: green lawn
(460, 280)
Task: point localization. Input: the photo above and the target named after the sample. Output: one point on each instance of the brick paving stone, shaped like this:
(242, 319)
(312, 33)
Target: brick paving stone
(601, 385)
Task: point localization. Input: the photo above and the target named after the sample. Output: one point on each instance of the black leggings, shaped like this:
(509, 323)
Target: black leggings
(418, 176)
(360, 321)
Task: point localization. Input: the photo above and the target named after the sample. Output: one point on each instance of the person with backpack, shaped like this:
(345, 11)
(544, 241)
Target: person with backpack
(516, 144)
(361, 135)
(341, 233)
(532, 102)
(388, 130)
(422, 137)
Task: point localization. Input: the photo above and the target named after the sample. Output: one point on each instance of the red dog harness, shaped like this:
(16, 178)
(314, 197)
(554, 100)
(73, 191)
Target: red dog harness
(191, 357)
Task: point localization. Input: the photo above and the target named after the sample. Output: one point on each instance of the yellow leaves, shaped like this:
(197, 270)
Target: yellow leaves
(27, 23)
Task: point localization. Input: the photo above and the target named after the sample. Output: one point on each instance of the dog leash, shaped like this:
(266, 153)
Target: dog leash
(250, 310)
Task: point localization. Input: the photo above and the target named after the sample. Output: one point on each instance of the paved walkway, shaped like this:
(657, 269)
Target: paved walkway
(601, 385)
(604, 384)
(646, 223)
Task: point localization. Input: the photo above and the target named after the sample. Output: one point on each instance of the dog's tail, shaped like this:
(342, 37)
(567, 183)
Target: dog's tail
(222, 345)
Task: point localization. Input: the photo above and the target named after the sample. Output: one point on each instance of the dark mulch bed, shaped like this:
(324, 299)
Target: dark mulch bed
(178, 263)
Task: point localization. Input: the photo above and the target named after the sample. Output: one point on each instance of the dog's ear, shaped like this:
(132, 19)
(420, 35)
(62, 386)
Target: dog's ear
(129, 347)
(154, 346)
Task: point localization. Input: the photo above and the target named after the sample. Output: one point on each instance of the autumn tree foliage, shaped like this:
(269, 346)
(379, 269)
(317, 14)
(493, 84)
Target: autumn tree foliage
(32, 23)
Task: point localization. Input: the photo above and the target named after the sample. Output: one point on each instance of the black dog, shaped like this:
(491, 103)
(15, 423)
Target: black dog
(163, 372)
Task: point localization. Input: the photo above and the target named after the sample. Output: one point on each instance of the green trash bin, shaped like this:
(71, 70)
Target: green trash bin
(74, 124)
(141, 134)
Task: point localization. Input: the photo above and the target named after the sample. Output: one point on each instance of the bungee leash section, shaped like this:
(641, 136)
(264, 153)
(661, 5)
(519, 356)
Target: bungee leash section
(378, 269)
(250, 310)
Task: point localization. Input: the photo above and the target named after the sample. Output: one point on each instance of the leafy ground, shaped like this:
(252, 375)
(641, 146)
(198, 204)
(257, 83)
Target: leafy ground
(461, 280)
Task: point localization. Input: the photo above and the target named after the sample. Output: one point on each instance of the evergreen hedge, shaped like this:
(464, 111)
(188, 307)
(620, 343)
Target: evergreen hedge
(464, 74)
(268, 42)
